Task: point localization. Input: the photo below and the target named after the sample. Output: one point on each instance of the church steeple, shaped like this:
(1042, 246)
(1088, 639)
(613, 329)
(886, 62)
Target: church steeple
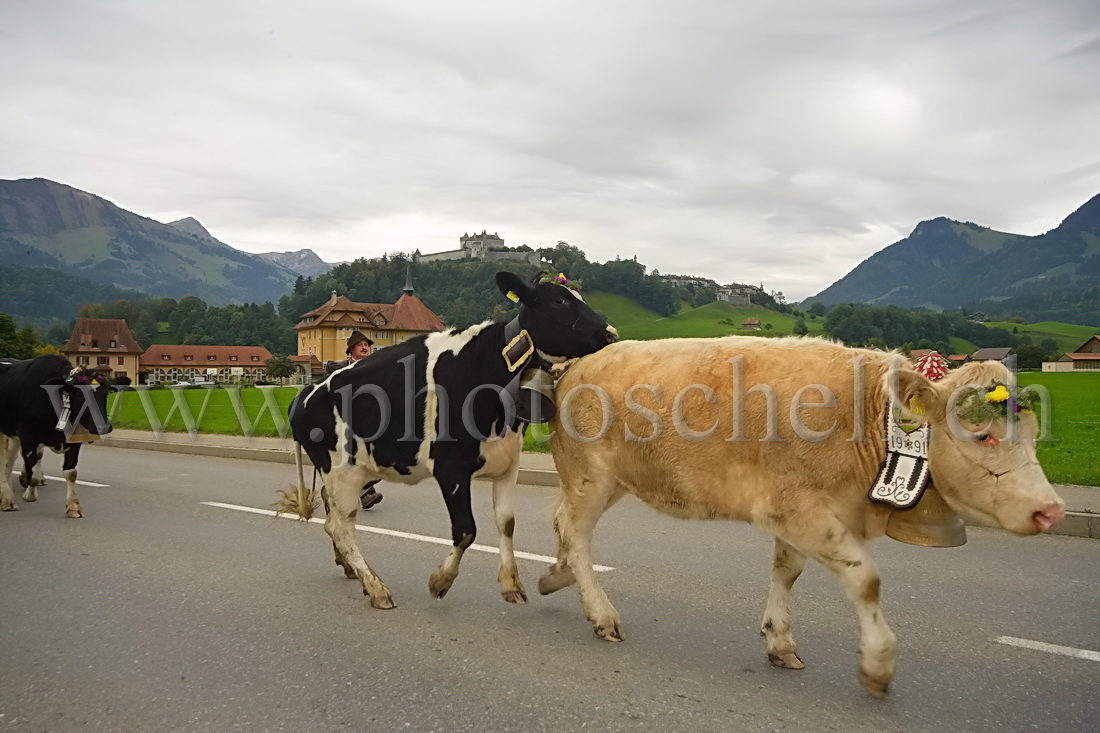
(408, 289)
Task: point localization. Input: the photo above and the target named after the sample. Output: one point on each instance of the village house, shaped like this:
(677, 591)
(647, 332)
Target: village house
(992, 353)
(1085, 358)
(173, 363)
(750, 324)
(323, 332)
(106, 343)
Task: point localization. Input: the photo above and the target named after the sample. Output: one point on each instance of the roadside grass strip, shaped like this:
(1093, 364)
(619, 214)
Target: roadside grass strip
(1041, 646)
(78, 481)
(396, 533)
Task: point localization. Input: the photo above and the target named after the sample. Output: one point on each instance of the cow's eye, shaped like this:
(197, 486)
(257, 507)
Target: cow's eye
(982, 437)
(559, 301)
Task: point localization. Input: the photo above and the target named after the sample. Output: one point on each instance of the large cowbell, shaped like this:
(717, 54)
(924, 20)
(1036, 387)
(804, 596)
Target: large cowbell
(931, 523)
(535, 396)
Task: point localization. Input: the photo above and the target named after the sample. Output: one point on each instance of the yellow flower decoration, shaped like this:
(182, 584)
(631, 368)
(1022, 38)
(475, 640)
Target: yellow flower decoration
(1000, 394)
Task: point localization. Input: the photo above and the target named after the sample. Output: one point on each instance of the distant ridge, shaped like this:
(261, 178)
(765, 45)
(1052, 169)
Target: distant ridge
(304, 262)
(49, 224)
(947, 264)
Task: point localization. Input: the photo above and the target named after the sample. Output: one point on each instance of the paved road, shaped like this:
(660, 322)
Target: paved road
(158, 612)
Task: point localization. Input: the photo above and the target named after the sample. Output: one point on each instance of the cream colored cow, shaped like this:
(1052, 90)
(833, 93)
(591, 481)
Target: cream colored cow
(788, 434)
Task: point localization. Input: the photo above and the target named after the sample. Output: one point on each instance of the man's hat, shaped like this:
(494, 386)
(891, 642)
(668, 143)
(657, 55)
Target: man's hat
(356, 337)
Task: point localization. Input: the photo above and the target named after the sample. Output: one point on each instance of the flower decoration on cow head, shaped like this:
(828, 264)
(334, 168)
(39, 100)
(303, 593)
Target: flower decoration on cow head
(94, 377)
(980, 406)
(546, 277)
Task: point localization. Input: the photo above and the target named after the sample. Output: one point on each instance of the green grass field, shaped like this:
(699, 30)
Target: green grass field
(1071, 457)
(207, 410)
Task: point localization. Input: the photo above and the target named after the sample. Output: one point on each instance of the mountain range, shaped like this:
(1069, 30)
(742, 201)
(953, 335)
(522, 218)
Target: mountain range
(947, 264)
(59, 244)
(44, 224)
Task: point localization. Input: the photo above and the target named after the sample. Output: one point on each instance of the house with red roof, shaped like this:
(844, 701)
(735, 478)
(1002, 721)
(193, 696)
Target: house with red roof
(323, 332)
(222, 364)
(104, 343)
(1085, 357)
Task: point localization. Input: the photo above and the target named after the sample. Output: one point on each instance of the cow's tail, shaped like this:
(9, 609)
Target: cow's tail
(299, 500)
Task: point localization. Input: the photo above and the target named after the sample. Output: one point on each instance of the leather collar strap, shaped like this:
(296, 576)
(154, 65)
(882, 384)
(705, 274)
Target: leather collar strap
(518, 345)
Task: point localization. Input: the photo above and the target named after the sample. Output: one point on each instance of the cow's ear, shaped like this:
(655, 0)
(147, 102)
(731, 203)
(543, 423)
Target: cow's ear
(513, 288)
(915, 393)
(121, 382)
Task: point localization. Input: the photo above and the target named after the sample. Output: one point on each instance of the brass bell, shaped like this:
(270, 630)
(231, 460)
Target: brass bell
(931, 523)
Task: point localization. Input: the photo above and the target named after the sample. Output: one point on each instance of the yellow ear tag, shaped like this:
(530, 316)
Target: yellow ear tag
(916, 406)
(512, 296)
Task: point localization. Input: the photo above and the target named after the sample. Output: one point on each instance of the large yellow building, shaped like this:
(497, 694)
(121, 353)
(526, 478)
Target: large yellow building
(323, 332)
(104, 343)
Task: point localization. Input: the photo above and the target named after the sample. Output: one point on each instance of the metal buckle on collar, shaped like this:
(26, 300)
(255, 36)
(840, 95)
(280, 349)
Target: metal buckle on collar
(518, 350)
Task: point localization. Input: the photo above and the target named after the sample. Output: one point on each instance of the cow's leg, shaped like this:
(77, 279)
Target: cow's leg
(343, 484)
(9, 449)
(831, 544)
(349, 571)
(72, 504)
(453, 472)
(574, 520)
(511, 589)
(787, 565)
(31, 477)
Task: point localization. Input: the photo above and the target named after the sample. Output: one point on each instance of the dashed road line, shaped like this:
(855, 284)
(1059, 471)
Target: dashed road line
(1042, 646)
(396, 533)
(82, 483)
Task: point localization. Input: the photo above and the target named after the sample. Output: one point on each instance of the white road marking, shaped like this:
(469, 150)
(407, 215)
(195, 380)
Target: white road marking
(82, 483)
(1042, 646)
(396, 533)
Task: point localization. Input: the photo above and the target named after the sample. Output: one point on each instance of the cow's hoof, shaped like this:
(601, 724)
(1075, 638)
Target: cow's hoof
(24, 481)
(75, 513)
(30, 496)
(8, 506)
(517, 597)
(439, 584)
(789, 660)
(384, 602)
(609, 632)
(878, 688)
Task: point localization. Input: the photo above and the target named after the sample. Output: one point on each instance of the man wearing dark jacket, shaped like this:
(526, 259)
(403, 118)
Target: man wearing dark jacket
(359, 347)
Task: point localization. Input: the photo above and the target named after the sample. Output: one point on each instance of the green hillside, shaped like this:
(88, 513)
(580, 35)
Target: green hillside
(713, 319)
(1067, 335)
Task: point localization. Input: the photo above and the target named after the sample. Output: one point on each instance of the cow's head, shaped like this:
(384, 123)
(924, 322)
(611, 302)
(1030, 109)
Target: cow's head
(982, 453)
(561, 324)
(85, 391)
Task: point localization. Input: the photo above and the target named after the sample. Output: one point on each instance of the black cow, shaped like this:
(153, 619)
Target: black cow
(439, 405)
(45, 402)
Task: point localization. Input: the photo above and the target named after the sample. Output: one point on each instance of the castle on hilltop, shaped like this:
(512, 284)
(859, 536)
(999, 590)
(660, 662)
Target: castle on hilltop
(734, 293)
(485, 247)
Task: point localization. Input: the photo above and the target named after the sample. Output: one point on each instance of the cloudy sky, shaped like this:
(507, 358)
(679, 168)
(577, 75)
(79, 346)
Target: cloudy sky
(778, 142)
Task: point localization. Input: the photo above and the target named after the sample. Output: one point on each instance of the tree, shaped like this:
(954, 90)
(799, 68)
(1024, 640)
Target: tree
(817, 308)
(768, 326)
(1049, 345)
(1030, 356)
(279, 367)
(800, 328)
(12, 344)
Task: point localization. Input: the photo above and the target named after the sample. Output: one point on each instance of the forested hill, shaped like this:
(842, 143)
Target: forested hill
(464, 292)
(948, 264)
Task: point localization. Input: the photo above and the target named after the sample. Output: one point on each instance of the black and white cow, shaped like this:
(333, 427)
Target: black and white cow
(45, 403)
(432, 406)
